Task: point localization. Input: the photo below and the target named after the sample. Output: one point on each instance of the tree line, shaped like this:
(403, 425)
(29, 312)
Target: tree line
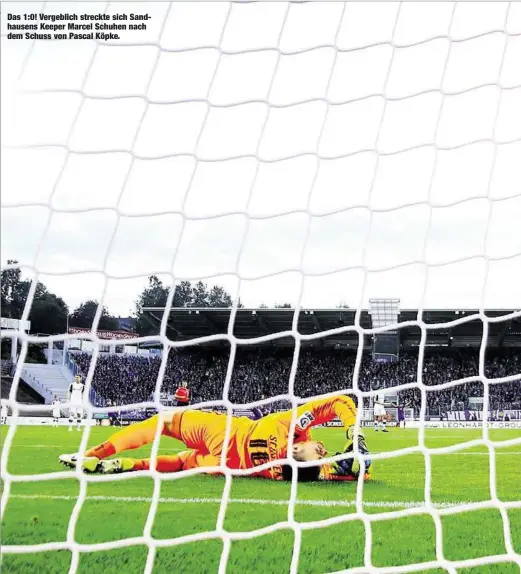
(50, 315)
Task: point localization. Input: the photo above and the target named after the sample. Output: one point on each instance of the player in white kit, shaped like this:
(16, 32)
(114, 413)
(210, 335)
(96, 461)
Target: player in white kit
(380, 414)
(55, 411)
(75, 397)
(4, 411)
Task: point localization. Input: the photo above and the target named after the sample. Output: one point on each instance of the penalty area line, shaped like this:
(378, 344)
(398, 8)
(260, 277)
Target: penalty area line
(167, 500)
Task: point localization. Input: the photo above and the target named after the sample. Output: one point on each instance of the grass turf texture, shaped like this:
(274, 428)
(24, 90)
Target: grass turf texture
(39, 512)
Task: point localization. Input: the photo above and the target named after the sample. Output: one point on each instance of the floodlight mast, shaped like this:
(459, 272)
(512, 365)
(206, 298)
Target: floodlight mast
(386, 345)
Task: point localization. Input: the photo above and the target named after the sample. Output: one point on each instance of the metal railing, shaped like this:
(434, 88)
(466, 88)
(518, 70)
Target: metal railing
(37, 386)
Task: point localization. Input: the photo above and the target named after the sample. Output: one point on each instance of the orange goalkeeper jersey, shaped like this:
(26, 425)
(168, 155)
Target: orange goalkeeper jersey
(253, 443)
(266, 440)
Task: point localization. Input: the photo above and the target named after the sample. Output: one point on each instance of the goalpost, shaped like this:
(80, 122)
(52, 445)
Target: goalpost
(359, 93)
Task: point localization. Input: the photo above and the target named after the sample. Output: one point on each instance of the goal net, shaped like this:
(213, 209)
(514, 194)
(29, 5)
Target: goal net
(310, 151)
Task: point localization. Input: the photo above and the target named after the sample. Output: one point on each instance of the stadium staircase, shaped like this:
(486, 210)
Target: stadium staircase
(47, 380)
(25, 394)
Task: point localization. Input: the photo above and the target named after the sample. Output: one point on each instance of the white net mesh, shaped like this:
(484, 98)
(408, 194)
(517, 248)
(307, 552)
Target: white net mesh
(420, 89)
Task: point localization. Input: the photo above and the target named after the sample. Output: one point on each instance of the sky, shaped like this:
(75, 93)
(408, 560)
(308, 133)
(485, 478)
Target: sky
(314, 153)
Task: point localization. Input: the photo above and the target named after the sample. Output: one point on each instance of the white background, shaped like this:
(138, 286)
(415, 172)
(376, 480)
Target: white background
(239, 144)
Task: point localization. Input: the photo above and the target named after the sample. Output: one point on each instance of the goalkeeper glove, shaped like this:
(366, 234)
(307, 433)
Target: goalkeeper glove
(350, 465)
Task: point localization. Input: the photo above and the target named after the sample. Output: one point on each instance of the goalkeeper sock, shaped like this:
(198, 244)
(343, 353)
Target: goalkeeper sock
(173, 463)
(102, 451)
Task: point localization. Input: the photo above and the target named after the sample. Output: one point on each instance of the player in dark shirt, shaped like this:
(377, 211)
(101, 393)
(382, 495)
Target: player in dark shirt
(400, 415)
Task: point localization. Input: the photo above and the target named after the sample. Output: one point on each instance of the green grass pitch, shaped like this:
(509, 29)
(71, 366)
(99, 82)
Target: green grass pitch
(39, 512)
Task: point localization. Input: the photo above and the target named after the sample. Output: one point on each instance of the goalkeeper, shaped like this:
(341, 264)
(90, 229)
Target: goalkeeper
(251, 443)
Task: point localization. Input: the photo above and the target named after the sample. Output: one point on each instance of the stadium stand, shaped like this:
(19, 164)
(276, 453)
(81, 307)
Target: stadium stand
(47, 380)
(264, 372)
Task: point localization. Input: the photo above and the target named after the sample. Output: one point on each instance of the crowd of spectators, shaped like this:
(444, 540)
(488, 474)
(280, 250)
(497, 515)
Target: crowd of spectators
(6, 367)
(262, 373)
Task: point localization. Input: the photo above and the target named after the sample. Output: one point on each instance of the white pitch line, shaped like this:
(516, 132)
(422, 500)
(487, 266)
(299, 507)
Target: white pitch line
(262, 501)
(459, 453)
(480, 453)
